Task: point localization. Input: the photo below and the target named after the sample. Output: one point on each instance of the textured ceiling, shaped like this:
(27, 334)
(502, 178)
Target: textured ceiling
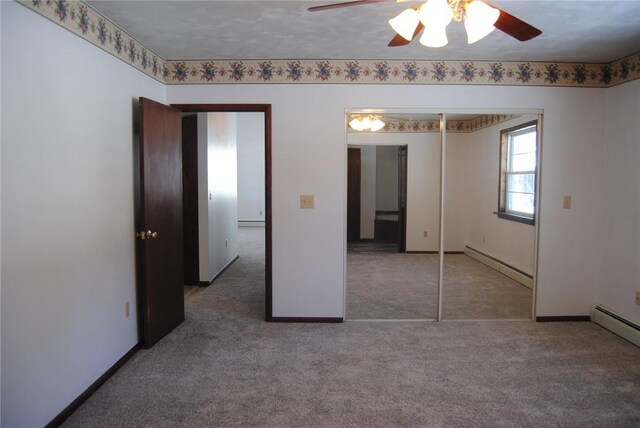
(573, 31)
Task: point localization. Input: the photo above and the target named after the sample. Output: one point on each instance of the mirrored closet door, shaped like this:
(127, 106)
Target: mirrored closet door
(393, 221)
(485, 165)
(491, 164)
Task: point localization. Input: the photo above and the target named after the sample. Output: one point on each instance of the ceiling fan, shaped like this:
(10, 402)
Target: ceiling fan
(480, 18)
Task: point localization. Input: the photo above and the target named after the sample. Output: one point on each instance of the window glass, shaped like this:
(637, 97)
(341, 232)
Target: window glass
(518, 172)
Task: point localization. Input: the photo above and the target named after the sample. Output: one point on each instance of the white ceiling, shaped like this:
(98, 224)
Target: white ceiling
(573, 31)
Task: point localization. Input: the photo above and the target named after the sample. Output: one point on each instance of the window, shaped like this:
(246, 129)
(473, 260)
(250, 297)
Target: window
(518, 150)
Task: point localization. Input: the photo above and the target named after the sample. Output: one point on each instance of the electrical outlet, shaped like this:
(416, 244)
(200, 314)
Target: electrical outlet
(483, 240)
(425, 233)
(306, 201)
(566, 202)
(638, 298)
(260, 212)
(226, 243)
(126, 310)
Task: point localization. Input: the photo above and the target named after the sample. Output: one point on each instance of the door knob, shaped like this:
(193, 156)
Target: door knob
(147, 235)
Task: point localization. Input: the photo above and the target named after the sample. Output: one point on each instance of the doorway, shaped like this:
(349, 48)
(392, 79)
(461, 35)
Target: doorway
(265, 109)
(376, 198)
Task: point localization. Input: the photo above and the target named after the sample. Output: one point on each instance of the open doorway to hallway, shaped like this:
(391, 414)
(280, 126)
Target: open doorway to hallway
(376, 198)
(226, 176)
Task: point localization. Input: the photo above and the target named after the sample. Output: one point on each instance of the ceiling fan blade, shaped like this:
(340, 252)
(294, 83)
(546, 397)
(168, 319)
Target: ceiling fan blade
(515, 27)
(398, 40)
(347, 4)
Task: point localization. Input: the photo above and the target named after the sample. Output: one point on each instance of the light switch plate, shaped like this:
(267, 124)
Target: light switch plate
(306, 201)
(566, 202)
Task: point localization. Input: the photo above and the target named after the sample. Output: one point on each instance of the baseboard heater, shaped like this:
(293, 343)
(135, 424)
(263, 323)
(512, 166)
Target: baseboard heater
(251, 223)
(513, 273)
(616, 323)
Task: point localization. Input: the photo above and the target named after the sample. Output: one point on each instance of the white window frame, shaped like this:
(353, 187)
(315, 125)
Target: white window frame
(506, 137)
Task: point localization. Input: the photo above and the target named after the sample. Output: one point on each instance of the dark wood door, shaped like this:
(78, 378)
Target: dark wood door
(353, 195)
(190, 199)
(159, 221)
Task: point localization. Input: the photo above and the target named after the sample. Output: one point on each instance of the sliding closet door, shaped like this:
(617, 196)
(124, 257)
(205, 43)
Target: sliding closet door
(489, 198)
(393, 270)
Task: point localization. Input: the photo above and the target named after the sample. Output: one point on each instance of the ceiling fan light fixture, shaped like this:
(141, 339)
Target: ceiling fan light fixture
(356, 124)
(405, 23)
(436, 13)
(365, 123)
(434, 37)
(376, 125)
(479, 20)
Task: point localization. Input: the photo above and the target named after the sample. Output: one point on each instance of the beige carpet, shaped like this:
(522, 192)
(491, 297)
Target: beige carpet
(404, 286)
(225, 367)
(391, 286)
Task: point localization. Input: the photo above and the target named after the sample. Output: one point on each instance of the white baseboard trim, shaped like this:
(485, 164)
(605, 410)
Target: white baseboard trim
(500, 266)
(251, 223)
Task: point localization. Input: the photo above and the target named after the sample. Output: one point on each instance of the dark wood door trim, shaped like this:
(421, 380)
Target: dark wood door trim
(190, 199)
(402, 196)
(353, 194)
(251, 108)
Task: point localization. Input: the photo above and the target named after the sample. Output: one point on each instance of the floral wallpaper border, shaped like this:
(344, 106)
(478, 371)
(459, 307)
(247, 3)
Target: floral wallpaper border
(428, 126)
(86, 22)
(89, 24)
(404, 72)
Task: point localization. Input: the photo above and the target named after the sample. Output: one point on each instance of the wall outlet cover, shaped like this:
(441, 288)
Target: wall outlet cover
(306, 201)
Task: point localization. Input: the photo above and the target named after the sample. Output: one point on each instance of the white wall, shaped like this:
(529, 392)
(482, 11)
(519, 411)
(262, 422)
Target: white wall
(250, 166)
(204, 271)
(308, 280)
(367, 191)
(620, 278)
(218, 192)
(423, 183)
(386, 178)
(471, 195)
(459, 184)
(67, 214)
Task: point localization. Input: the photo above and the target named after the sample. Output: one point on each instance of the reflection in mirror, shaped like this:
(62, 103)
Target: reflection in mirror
(489, 231)
(393, 192)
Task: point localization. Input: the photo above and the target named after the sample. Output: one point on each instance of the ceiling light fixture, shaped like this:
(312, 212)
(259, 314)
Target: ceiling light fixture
(479, 19)
(370, 123)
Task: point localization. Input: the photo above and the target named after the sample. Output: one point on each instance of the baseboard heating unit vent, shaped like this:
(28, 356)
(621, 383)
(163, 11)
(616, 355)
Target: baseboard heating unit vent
(616, 323)
(502, 267)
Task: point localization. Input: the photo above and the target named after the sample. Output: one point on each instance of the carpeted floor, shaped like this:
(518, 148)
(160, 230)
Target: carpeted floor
(404, 286)
(392, 286)
(225, 367)
(473, 290)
